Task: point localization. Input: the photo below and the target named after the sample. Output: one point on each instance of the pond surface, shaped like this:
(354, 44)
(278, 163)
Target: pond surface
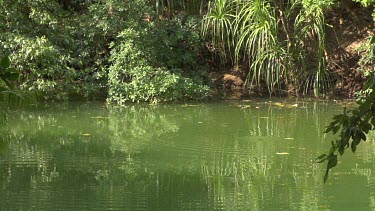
(231, 156)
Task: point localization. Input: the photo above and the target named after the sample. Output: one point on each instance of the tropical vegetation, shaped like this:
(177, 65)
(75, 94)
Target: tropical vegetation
(165, 50)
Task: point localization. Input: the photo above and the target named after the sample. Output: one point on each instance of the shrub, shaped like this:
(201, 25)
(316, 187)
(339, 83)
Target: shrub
(159, 63)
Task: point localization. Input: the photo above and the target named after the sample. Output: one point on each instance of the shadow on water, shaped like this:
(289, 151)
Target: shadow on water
(257, 156)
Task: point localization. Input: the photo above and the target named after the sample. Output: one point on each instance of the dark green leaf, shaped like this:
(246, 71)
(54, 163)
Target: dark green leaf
(362, 136)
(326, 176)
(11, 69)
(332, 161)
(341, 150)
(373, 121)
(10, 76)
(328, 129)
(3, 89)
(321, 156)
(335, 129)
(368, 84)
(332, 150)
(9, 84)
(354, 147)
(372, 41)
(5, 62)
(366, 127)
(13, 76)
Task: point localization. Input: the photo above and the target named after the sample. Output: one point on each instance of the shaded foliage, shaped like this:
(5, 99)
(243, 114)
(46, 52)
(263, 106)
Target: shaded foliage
(8, 94)
(152, 50)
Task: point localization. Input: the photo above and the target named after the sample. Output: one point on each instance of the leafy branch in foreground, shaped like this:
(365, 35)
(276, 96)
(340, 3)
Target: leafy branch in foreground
(352, 126)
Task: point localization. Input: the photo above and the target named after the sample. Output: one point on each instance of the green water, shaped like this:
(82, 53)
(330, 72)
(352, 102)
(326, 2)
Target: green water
(228, 156)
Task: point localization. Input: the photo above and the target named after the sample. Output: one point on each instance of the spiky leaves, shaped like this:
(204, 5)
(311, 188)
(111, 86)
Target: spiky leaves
(217, 25)
(256, 34)
(310, 33)
(284, 42)
(168, 7)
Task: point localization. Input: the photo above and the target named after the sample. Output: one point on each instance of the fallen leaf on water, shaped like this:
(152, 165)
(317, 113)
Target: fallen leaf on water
(246, 106)
(293, 106)
(279, 104)
(99, 117)
(189, 105)
(282, 153)
(224, 124)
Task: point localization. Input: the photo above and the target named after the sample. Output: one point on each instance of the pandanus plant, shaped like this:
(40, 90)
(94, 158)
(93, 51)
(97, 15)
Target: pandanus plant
(188, 6)
(283, 42)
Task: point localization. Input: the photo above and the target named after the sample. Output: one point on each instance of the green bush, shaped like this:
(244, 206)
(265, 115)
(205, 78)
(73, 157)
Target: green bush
(39, 62)
(61, 52)
(58, 48)
(158, 63)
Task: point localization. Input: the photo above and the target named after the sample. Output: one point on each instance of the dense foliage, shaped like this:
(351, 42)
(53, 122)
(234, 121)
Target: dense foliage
(156, 50)
(162, 50)
(62, 49)
(159, 63)
(283, 42)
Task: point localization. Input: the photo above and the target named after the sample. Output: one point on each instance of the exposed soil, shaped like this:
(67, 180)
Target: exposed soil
(349, 31)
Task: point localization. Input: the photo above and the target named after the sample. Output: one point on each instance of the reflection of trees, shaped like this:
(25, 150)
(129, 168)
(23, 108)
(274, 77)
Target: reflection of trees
(261, 179)
(285, 120)
(134, 127)
(253, 175)
(78, 148)
(188, 157)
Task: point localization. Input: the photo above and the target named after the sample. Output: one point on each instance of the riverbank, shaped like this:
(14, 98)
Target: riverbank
(346, 37)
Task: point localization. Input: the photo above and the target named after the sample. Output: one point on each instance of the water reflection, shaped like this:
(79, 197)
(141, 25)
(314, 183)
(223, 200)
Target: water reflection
(258, 156)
